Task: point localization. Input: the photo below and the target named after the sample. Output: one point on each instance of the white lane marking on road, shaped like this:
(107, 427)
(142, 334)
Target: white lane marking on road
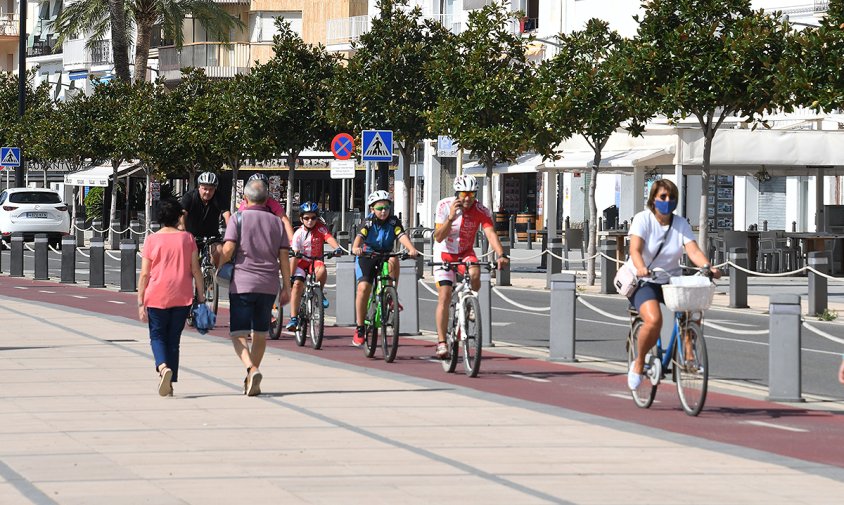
(45, 291)
(21, 287)
(496, 308)
(624, 396)
(79, 296)
(776, 426)
(733, 323)
(525, 377)
(117, 302)
(741, 341)
(610, 323)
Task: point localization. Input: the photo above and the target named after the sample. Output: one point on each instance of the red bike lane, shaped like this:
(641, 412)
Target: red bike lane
(806, 434)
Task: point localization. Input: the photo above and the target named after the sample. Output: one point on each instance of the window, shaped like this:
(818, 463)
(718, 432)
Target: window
(34, 197)
(264, 25)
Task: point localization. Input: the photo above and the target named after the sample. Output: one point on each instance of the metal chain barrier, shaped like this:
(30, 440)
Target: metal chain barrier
(822, 333)
(602, 312)
(734, 331)
(429, 288)
(519, 305)
(583, 260)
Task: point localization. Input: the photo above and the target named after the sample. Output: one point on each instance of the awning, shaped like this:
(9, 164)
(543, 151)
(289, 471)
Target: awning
(100, 175)
(525, 164)
(578, 161)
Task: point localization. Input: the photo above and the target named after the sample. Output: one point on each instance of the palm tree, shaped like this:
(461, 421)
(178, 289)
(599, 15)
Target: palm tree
(94, 16)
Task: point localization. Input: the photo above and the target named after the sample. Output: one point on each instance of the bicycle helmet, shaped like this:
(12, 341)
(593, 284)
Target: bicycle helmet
(377, 196)
(309, 207)
(259, 177)
(465, 183)
(208, 178)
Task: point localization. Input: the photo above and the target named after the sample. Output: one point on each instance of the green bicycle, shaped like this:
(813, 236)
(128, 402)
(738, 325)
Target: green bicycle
(382, 309)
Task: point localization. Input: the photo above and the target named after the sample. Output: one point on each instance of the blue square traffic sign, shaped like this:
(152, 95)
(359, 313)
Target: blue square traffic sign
(10, 156)
(377, 145)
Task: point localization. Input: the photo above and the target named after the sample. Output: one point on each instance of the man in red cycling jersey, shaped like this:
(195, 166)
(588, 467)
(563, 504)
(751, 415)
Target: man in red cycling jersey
(457, 221)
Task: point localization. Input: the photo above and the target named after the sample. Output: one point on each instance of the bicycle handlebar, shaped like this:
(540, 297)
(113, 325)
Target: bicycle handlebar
(321, 257)
(704, 271)
(382, 255)
(451, 265)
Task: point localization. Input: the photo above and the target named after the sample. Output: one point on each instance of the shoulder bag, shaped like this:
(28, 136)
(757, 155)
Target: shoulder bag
(225, 274)
(626, 281)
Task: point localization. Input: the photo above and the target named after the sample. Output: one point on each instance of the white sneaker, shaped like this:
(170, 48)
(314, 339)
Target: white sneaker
(634, 380)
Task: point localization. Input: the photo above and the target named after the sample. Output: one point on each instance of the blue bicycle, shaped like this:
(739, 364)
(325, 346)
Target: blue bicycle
(685, 359)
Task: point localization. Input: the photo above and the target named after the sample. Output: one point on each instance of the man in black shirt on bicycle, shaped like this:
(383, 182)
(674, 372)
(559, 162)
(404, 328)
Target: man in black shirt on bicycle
(203, 208)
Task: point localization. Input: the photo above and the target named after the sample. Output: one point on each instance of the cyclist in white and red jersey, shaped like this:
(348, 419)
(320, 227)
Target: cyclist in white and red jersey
(310, 240)
(457, 221)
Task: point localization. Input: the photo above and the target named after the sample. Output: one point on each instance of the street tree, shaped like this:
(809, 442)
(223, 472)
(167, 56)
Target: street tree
(291, 95)
(585, 90)
(710, 59)
(388, 83)
(96, 17)
(232, 129)
(485, 85)
(193, 133)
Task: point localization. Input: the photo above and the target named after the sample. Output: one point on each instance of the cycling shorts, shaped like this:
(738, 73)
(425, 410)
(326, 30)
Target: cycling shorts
(302, 268)
(445, 277)
(365, 269)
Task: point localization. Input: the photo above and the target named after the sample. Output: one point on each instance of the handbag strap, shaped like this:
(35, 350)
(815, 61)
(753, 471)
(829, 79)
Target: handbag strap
(661, 244)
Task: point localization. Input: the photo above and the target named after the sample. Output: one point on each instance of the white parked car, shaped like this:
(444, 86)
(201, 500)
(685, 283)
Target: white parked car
(31, 211)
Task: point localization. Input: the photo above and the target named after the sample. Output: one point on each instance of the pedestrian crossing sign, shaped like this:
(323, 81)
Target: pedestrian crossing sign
(10, 156)
(377, 145)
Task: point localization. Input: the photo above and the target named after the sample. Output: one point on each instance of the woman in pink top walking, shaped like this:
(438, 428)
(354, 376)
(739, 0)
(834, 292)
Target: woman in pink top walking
(165, 290)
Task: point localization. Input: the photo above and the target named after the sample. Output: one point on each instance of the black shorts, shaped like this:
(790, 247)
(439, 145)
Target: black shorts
(646, 291)
(365, 269)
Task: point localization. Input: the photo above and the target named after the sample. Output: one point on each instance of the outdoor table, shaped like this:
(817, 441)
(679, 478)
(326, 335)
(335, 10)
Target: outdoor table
(814, 241)
(620, 237)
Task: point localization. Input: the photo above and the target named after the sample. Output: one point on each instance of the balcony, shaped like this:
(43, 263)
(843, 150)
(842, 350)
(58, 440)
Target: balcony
(821, 6)
(219, 60)
(99, 53)
(344, 31)
(9, 26)
(42, 46)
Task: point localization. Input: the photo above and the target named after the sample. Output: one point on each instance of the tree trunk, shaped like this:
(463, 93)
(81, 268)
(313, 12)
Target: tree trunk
(234, 163)
(593, 219)
(405, 177)
(112, 213)
(119, 39)
(147, 201)
(703, 231)
(488, 163)
(291, 180)
(142, 46)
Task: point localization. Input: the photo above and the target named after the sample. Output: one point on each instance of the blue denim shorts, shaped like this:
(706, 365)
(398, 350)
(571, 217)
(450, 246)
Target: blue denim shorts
(647, 291)
(250, 312)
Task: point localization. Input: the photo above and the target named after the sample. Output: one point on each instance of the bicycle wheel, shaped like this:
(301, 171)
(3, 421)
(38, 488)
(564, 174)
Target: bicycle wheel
(390, 323)
(471, 336)
(370, 330)
(693, 370)
(644, 395)
(212, 298)
(301, 332)
(452, 340)
(277, 321)
(316, 322)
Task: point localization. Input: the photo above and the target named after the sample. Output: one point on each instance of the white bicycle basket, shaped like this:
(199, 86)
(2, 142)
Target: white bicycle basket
(690, 293)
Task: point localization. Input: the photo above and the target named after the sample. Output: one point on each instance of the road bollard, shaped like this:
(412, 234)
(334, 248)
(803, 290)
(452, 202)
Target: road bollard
(409, 297)
(128, 265)
(608, 267)
(485, 301)
(80, 231)
(345, 291)
(16, 256)
(343, 239)
(503, 277)
(784, 342)
(511, 227)
(738, 278)
(97, 225)
(68, 260)
(818, 283)
(543, 260)
(135, 232)
(154, 226)
(41, 257)
(96, 263)
(2, 248)
(418, 241)
(555, 264)
(562, 320)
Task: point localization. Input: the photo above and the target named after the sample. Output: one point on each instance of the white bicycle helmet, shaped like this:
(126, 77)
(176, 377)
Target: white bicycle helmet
(465, 183)
(377, 196)
(208, 178)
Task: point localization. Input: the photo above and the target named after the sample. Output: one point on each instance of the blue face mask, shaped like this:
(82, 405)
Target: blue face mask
(665, 207)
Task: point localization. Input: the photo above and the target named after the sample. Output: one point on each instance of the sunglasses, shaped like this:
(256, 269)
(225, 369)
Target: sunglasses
(465, 194)
(309, 218)
(382, 207)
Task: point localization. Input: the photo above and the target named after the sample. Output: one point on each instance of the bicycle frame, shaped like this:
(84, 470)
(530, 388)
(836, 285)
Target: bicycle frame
(382, 280)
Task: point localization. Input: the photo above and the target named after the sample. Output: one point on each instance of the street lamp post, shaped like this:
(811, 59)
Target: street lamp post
(19, 171)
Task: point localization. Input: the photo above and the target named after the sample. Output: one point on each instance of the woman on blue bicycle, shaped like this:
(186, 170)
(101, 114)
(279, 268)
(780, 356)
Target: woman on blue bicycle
(657, 240)
(378, 234)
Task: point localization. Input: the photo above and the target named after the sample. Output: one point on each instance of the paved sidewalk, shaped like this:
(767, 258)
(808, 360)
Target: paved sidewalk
(81, 423)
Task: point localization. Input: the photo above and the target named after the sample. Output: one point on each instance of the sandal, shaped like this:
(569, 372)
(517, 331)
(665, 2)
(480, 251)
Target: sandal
(442, 350)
